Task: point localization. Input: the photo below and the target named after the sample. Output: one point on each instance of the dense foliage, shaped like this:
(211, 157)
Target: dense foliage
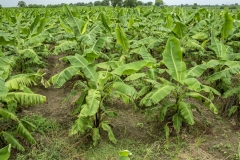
(156, 59)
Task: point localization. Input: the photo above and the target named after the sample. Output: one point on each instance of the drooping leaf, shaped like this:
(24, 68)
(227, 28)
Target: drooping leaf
(110, 65)
(231, 92)
(59, 79)
(131, 68)
(6, 39)
(13, 141)
(200, 36)
(107, 128)
(17, 81)
(95, 50)
(25, 133)
(92, 103)
(152, 73)
(64, 25)
(143, 91)
(163, 111)
(95, 136)
(79, 125)
(76, 60)
(177, 122)
(125, 89)
(88, 69)
(105, 22)
(186, 112)
(26, 98)
(196, 95)
(7, 114)
(156, 95)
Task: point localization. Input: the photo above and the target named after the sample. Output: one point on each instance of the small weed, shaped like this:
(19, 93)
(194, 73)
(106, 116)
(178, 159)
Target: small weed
(42, 124)
(199, 141)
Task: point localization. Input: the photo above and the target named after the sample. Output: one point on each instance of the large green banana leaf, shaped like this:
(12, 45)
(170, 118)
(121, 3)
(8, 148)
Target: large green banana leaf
(180, 29)
(110, 65)
(156, 95)
(172, 58)
(121, 38)
(177, 122)
(95, 50)
(227, 25)
(6, 39)
(25, 133)
(186, 112)
(3, 88)
(25, 98)
(131, 68)
(196, 71)
(92, 103)
(13, 141)
(88, 69)
(125, 88)
(59, 79)
(196, 95)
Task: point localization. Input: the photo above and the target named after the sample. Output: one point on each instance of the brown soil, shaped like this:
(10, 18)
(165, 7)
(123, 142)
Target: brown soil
(54, 108)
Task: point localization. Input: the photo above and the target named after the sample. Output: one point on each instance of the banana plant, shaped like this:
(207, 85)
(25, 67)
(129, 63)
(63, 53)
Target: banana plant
(175, 91)
(82, 34)
(97, 87)
(14, 92)
(22, 42)
(226, 70)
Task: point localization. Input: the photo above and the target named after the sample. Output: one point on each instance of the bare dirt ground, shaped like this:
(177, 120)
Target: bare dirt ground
(54, 107)
(211, 138)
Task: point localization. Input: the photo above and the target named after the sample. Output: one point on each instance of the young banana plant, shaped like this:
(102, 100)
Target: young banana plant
(182, 85)
(103, 81)
(14, 92)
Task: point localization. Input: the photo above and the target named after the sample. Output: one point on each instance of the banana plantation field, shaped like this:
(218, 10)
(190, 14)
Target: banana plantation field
(97, 83)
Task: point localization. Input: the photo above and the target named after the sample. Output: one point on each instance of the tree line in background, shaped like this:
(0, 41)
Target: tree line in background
(120, 3)
(114, 3)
